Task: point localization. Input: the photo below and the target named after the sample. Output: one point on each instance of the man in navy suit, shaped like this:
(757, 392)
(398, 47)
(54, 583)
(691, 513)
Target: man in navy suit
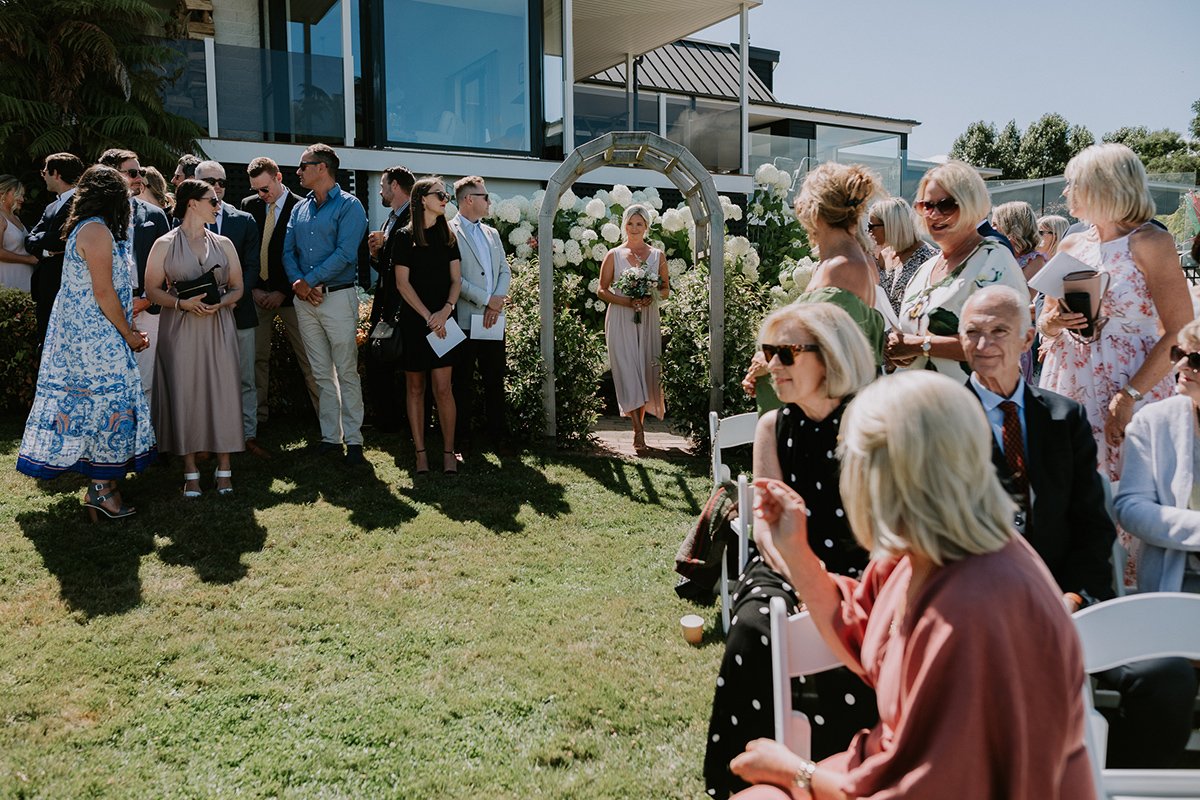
(240, 228)
(147, 223)
(271, 205)
(1045, 456)
(60, 172)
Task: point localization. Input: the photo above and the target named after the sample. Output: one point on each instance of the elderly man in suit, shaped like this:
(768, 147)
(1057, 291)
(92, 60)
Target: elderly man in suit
(60, 171)
(239, 227)
(485, 280)
(147, 223)
(1046, 457)
(271, 205)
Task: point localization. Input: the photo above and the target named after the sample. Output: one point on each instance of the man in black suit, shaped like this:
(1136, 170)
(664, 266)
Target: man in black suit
(239, 227)
(60, 172)
(1045, 455)
(271, 205)
(147, 223)
(395, 188)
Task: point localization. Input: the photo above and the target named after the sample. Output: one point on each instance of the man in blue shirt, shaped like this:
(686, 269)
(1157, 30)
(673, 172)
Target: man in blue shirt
(320, 256)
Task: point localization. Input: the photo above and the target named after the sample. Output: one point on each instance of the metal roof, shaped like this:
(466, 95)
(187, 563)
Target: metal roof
(691, 67)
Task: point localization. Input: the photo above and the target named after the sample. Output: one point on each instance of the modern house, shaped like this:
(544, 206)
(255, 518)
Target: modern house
(502, 88)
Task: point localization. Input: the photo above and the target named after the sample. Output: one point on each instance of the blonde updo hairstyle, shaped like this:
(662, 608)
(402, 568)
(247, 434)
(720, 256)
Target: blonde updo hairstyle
(922, 481)
(1017, 221)
(1108, 184)
(963, 183)
(11, 188)
(849, 362)
(899, 222)
(837, 194)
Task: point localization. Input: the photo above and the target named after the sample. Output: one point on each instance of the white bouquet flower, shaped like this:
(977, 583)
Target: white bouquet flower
(637, 283)
(610, 232)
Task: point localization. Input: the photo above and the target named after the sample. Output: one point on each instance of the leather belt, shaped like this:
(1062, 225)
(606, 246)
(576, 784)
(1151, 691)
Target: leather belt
(337, 287)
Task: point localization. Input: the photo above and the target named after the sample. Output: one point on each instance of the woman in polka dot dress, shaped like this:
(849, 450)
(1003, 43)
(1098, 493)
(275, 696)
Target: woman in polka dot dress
(818, 359)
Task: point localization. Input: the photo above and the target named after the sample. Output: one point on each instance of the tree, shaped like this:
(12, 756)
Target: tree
(1195, 126)
(977, 145)
(1163, 150)
(1079, 138)
(1044, 150)
(82, 76)
(1008, 145)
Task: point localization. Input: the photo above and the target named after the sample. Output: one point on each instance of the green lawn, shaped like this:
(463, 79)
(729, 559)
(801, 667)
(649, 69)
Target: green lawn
(333, 633)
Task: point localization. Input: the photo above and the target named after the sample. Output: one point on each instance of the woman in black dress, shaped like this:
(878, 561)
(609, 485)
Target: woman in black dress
(428, 276)
(818, 359)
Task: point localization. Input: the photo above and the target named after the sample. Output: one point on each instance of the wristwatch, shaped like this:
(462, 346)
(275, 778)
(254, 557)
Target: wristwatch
(1132, 392)
(927, 345)
(803, 778)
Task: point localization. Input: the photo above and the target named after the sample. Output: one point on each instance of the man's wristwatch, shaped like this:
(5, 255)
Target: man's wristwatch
(1132, 392)
(803, 778)
(926, 344)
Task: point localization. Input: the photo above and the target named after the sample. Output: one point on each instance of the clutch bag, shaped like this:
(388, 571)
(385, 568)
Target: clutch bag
(205, 287)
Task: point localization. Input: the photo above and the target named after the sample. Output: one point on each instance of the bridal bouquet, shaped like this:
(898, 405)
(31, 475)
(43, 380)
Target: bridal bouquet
(637, 283)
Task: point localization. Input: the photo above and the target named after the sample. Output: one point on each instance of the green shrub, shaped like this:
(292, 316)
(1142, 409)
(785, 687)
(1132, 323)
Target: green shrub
(685, 362)
(578, 359)
(18, 351)
(286, 392)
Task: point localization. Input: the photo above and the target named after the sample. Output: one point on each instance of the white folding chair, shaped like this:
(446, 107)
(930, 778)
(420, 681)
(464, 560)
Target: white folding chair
(1120, 631)
(724, 434)
(741, 527)
(797, 650)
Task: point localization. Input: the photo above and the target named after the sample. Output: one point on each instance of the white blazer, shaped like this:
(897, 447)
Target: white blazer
(474, 296)
(1156, 487)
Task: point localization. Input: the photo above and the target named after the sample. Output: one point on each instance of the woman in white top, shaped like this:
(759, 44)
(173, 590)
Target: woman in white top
(16, 264)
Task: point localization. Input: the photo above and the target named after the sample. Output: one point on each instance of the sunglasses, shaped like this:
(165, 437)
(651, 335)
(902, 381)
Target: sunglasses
(214, 182)
(212, 201)
(443, 196)
(1178, 354)
(946, 206)
(134, 173)
(307, 164)
(873, 225)
(263, 190)
(787, 352)
(1045, 233)
(484, 195)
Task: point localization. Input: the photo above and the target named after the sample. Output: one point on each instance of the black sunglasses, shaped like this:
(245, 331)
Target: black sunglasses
(263, 190)
(212, 201)
(134, 173)
(873, 225)
(787, 352)
(946, 206)
(443, 196)
(1178, 354)
(214, 182)
(307, 164)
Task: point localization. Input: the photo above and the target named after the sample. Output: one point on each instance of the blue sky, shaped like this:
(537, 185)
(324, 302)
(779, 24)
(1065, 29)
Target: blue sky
(1099, 63)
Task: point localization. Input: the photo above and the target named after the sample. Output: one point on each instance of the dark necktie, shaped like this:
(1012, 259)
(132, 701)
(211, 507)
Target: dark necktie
(391, 220)
(1014, 451)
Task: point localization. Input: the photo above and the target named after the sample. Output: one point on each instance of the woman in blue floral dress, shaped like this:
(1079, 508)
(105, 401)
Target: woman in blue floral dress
(90, 414)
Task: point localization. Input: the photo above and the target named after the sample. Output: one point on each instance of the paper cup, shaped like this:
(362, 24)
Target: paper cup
(693, 628)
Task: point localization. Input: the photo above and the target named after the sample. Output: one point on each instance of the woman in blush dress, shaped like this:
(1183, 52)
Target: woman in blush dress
(962, 710)
(631, 325)
(90, 414)
(16, 264)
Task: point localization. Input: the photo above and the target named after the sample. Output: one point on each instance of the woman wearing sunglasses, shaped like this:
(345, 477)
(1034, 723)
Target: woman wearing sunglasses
(429, 278)
(818, 359)
(951, 199)
(1051, 230)
(1159, 496)
(893, 227)
(197, 399)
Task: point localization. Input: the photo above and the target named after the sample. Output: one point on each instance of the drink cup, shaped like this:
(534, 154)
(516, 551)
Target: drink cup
(693, 628)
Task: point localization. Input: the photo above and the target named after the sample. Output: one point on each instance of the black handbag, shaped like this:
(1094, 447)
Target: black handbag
(384, 344)
(205, 287)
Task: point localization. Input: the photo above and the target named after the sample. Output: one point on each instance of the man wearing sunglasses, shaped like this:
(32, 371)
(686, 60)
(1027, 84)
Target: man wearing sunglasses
(146, 224)
(320, 255)
(271, 205)
(240, 228)
(1045, 455)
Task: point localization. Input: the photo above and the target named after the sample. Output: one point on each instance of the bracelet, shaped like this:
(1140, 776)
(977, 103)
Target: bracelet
(803, 778)
(176, 303)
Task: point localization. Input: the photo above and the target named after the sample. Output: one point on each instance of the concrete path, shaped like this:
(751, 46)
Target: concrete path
(614, 437)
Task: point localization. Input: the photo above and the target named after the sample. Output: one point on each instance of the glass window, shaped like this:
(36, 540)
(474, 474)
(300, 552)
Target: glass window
(456, 73)
(552, 80)
(600, 110)
(878, 150)
(709, 129)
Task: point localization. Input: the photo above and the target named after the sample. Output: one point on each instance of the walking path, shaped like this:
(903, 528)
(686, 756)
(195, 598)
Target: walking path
(614, 436)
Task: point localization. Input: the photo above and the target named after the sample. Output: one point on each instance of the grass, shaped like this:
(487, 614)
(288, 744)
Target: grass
(333, 633)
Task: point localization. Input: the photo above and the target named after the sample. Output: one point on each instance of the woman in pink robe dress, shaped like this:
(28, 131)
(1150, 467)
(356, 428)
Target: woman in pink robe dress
(956, 623)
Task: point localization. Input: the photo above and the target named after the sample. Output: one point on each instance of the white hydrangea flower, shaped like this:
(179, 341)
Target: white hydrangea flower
(621, 195)
(589, 235)
(576, 232)
(737, 246)
(524, 250)
(508, 211)
(657, 244)
(535, 203)
(519, 235)
(686, 213)
(573, 252)
(783, 183)
(749, 270)
(753, 259)
(611, 233)
(673, 221)
(519, 262)
(567, 201)
(675, 265)
(729, 209)
(559, 260)
(650, 191)
(766, 174)
(600, 305)
(559, 246)
(599, 251)
(596, 209)
(594, 285)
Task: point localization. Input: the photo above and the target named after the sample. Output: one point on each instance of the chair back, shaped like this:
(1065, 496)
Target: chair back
(726, 433)
(741, 527)
(797, 649)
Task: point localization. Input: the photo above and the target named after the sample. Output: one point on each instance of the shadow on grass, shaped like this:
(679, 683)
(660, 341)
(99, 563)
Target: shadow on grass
(634, 479)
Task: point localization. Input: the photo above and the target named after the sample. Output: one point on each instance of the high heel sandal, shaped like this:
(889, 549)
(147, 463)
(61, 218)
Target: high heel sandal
(191, 494)
(419, 471)
(449, 455)
(100, 493)
(223, 473)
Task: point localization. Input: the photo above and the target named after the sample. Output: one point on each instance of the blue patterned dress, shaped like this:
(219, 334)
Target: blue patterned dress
(90, 413)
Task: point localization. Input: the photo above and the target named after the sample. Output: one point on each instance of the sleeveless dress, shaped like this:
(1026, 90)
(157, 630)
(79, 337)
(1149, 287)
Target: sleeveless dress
(13, 275)
(197, 383)
(89, 414)
(635, 349)
(1091, 373)
(429, 275)
(742, 701)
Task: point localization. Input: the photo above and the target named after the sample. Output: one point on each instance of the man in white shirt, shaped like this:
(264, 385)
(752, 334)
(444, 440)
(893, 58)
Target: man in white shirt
(485, 280)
